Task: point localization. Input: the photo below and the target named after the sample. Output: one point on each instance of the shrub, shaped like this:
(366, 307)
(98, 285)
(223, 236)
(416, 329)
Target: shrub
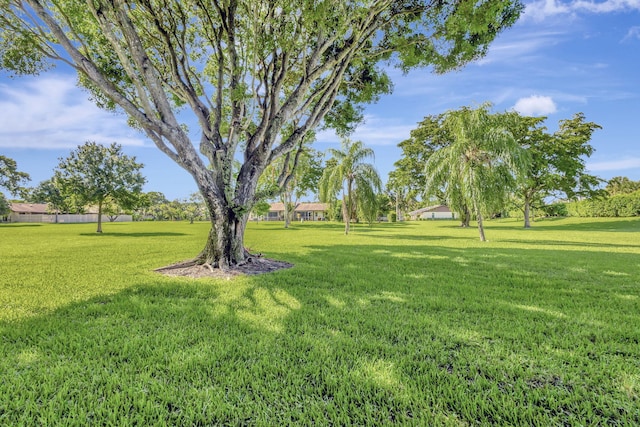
(620, 205)
(555, 209)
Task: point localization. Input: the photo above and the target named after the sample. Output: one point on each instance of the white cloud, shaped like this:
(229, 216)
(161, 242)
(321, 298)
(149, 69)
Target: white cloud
(523, 48)
(615, 165)
(633, 33)
(52, 113)
(607, 6)
(535, 105)
(540, 10)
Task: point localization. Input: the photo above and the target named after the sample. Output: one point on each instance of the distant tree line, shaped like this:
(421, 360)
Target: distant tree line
(99, 176)
(154, 206)
(480, 163)
(615, 200)
(484, 164)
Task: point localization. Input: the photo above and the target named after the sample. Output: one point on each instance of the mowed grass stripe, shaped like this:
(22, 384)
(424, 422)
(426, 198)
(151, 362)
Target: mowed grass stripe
(409, 324)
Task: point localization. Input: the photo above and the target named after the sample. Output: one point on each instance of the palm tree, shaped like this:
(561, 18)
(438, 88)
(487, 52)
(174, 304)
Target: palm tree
(480, 165)
(347, 173)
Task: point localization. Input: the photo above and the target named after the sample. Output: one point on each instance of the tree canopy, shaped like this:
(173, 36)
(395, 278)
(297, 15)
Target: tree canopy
(97, 174)
(194, 207)
(621, 185)
(11, 178)
(408, 177)
(407, 181)
(557, 160)
(51, 192)
(255, 76)
(5, 208)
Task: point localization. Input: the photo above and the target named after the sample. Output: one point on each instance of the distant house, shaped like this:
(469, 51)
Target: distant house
(311, 211)
(27, 212)
(302, 211)
(40, 212)
(276, 212)
(433, 212)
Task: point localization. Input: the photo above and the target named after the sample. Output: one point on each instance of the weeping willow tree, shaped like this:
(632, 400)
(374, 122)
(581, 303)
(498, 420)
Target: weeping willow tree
(356, 182)
(254, 76)
(482, 163)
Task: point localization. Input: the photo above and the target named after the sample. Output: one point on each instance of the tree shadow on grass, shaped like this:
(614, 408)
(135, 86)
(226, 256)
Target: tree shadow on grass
(560, 243)
(586, 224)
(426, 237)
(329, 225)
(361, 334)
(295, 225)
(175, 353)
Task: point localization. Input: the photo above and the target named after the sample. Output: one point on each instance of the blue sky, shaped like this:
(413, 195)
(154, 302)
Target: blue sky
(561, 58)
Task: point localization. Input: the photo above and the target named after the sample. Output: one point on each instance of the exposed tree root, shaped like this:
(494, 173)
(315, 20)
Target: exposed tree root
(182, 264)
(253, 264)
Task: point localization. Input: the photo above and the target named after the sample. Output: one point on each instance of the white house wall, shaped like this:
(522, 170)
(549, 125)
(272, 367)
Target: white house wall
(438, 215)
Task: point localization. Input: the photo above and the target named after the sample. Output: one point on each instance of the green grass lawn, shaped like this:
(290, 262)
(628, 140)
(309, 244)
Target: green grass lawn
(410, 324)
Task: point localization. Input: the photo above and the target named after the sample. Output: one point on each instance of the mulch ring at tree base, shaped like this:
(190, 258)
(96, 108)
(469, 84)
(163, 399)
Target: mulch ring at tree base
(253, 265)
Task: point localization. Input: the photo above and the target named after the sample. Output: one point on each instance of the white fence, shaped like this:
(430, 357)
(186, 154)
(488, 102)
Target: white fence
(65, 218)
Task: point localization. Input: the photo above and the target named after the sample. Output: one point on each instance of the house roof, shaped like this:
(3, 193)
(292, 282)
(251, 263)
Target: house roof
(434, 208)
(300, 207)
(29, 208)
(311, 207)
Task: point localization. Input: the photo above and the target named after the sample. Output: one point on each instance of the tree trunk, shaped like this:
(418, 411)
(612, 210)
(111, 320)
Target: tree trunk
(345, 216)
(527, 208)
(466, 218)
(287, 214)
(225, 242)
(347, 206)
(99, 230)
(481, 227)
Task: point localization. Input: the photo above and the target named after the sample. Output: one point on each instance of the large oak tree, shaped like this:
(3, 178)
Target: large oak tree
(104, 176)
(557, 160)
(256, 76)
